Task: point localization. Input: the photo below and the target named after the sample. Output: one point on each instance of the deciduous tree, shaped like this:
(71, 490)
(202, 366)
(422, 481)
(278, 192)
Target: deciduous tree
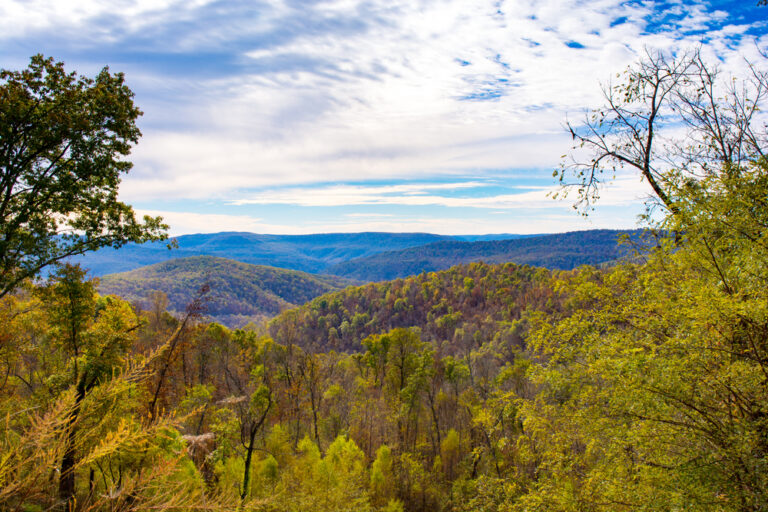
(670, 117)
(63, 143)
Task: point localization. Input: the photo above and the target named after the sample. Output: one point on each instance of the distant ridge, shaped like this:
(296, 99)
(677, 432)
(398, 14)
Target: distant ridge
(240, 292)
(308, 253)
(243, 292)
(559, 251)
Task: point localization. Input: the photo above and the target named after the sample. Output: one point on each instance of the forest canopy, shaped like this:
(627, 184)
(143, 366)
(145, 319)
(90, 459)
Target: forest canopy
(642, 385)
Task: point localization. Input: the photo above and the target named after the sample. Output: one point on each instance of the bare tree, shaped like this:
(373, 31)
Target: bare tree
(671, 118)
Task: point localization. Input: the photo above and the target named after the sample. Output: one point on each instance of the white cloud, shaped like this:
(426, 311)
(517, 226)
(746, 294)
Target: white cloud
(622, 191)
(183, 223)
(86, 17)
(369, 215)
(348, 91)
(386, 100)
(192, 222)
(191, 166)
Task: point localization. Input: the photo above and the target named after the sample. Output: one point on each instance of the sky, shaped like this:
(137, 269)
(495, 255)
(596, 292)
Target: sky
(300, 116)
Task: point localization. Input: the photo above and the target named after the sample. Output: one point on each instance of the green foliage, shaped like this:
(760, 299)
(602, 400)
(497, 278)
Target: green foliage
(484, 494)
(393, 506)
(382, 476)
(438, 303)
(240, 292)
(334, 483)
(62, 143)
(79, 388)
(655, 374)
(450, 453)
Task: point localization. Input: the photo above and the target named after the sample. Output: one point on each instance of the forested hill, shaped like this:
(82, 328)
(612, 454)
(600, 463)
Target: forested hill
(560, 251)
(308, 253)
(460, 308)
(239, 292)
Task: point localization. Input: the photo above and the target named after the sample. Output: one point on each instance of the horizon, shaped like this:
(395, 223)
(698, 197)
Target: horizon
(287, 117)
(319, 233)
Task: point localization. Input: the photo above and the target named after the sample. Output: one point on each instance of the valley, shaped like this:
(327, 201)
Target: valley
(241, 293)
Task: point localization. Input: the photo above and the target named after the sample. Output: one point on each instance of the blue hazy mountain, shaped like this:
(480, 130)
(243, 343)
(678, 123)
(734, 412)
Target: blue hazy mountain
(243, 292)
(559, 251)
(308, 253)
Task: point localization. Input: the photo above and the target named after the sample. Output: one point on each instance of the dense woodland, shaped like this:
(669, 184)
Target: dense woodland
(455, 309)
(642, 385)
(478, 388)
(239, 293)
(563, 251)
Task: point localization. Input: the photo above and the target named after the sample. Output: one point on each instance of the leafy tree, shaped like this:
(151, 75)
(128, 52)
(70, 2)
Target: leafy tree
(334, 483)
(93, 348)
(653, 381)
(382, 476)
(63, 140)
(313, 372)
(251, 381)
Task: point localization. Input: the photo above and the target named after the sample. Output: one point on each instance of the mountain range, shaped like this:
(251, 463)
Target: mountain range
(563, 251)
(242, 292)
(308, 253)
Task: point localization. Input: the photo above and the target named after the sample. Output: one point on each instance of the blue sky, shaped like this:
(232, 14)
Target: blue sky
(299, 116)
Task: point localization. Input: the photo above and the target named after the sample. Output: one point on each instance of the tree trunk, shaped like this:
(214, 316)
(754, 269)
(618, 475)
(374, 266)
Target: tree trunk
(254, 429)
(68, 461)
(247, 473)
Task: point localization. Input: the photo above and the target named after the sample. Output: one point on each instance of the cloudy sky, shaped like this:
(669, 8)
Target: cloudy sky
(301, 116)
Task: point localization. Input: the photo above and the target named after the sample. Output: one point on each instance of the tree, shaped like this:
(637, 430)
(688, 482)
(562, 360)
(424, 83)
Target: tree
(63, 140)
(653, 382)
(250, 379)
(653, 378)
(660, 97)
(93, 339)
(313, 372)
(334, 483)
(75, 435)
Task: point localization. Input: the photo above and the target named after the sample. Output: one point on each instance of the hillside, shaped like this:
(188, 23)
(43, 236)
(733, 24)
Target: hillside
(240, 292)
(308, 253)
(560, 251)
(465, 306)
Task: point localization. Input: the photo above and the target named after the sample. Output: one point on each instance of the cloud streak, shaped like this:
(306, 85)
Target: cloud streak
(286, 96)
(622, 191)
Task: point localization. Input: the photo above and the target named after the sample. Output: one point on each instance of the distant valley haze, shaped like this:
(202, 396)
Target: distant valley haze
(308, 253)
